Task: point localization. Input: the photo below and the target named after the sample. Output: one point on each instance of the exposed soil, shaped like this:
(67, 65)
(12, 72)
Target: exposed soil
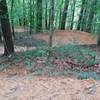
(17, 83)
(69, 37)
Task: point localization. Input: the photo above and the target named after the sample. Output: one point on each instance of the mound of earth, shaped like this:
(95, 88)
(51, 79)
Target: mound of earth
(69, 37)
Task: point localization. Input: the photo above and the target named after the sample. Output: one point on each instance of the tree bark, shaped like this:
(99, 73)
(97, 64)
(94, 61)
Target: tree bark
(24, 17)
(0, 37)
(91, 16)
(84, 16)
(46, 16)
(72, 22)
(81, 14)
(20, 22)
(51, 22)
(30, 31)
(64, 14)
(60, 19)
(98, 46)
(98, 42)
(5, 26)
(39, 16)
(12, 18)
(98, 49)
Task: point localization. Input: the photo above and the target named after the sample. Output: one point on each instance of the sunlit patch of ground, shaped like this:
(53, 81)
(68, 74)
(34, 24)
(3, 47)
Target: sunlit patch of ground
(18, 49)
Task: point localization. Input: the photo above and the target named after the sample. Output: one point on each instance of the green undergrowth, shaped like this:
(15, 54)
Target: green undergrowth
(77, 54)
(88, 74)
(3, 66)
(80, 55)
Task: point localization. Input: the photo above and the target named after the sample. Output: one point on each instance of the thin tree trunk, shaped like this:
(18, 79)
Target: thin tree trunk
(72, 22)
(64, 14)
(60, 19)
(30, 31)
(0, 37)
(39, 16)
(46, 23)
(98, 46)
(5, 25)
(98, 33)
(12, 18)
(91, 16)
(81, 14)
(83, 26)
(98, 42)
(33, 14)
(51, 22)
(24, 17)
(20, 22)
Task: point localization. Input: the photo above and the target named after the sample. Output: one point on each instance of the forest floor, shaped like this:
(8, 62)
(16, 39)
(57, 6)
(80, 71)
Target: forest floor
(23, 42)
(30, 87)
(18, 83)
(69, 37)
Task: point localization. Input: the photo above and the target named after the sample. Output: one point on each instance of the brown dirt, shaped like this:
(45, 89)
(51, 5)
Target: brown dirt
(23, 86)
(69, 36)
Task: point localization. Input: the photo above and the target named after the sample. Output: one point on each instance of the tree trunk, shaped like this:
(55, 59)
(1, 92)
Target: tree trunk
(39, 16)
(84, 16)
(12, 18)
(81, 14)
(0, 37)
(72, 22)
(91, 16)
(20, 22)
(64, 14)
(51, 22)
(98, 46)
(46, 22)
(98, 50)
(30, 31)
(5, 26)
(98, 42)
(24, 17)
(60, 19)
(98, 33)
